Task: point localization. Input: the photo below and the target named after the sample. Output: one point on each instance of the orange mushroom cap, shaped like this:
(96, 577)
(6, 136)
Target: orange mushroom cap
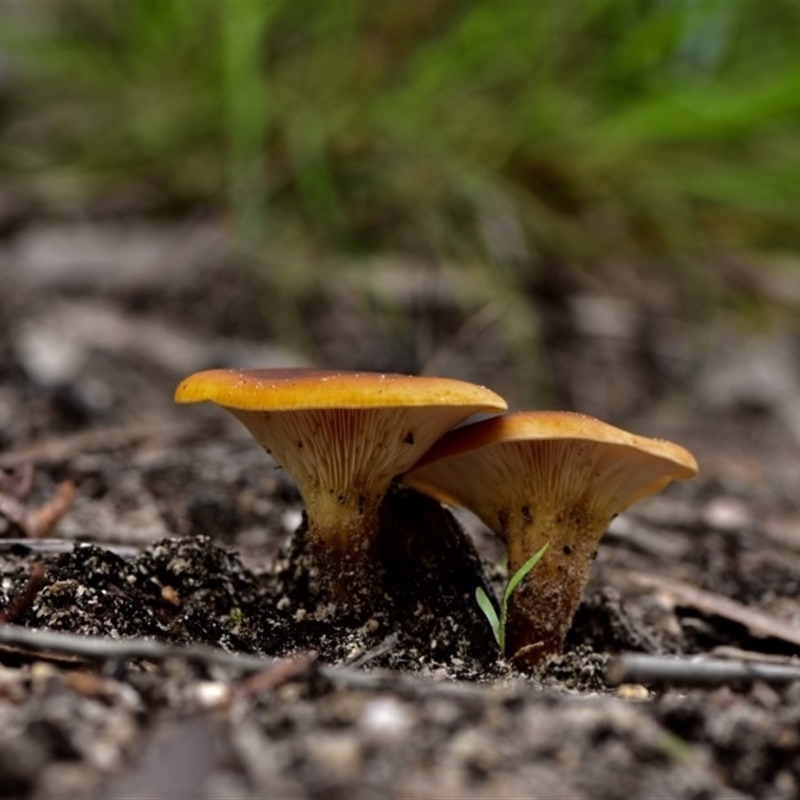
(288, 388)
(547, 477)
(472, 465)
(343, 436)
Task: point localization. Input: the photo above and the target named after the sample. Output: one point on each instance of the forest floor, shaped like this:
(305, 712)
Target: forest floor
(150, 648)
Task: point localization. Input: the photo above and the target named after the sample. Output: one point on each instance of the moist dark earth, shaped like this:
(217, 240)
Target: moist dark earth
(174, 547)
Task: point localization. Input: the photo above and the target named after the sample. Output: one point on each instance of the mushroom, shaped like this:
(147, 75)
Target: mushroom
(343, 436)
(547, 478)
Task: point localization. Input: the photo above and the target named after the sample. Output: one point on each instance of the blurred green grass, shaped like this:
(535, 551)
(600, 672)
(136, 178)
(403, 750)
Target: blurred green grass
(506, 136)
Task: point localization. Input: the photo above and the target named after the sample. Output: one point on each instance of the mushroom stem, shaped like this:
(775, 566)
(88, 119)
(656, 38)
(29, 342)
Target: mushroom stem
(342, 530)
(343, 520)
(342, 495)
(541, 609)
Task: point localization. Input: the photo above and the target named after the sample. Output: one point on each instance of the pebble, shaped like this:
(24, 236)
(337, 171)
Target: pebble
(211, 694)
(386, 719)
(727, 514)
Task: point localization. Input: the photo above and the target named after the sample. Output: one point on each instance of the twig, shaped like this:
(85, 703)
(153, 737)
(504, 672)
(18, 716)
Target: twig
(63, 448)
(694, 671)
(386, 646)
(38, 522)
(281, 671)
(757, 622)
(41, 522)
(100, 648)
(731, 653)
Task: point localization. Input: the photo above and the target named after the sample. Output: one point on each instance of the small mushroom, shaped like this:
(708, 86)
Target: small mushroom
(547, 477)
(343, 436)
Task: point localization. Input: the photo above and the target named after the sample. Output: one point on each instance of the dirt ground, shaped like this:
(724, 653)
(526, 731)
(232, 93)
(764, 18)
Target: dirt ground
(155, 641)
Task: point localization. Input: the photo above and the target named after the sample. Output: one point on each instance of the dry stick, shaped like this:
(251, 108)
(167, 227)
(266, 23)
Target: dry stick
(102, 648)
(38, 522)
(758, 623)
(41, 522)
(63, 448)
(694, 671)
(281, 672)
(733, 653)
(384, 647)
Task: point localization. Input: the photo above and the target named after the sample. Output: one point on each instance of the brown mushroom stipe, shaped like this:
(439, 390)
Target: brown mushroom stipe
(342, 436)
(547, 477)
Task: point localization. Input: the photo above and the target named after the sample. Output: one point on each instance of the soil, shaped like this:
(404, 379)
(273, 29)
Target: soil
(207, 666)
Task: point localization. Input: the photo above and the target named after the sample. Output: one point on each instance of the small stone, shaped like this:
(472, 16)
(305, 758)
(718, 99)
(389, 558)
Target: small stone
(386, 718)
(291, 519)
(727, 514)
(169, 595)
(632, 691)
(211, 694)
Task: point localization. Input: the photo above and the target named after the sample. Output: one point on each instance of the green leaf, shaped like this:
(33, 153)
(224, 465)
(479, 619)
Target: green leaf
(515, 579)
(487, 607)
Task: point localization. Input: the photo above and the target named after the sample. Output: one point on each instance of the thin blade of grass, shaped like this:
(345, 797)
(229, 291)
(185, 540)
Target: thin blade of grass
(487, 607)
(517, 577)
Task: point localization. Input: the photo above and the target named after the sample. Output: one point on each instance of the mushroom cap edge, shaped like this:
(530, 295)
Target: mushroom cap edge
(541, 425)
(286, 389)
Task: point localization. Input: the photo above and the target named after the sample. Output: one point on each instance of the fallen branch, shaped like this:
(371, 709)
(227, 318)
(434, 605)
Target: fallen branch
(662, 671)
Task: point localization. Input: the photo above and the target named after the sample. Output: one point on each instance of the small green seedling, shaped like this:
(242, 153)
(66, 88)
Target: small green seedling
(487, 607)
